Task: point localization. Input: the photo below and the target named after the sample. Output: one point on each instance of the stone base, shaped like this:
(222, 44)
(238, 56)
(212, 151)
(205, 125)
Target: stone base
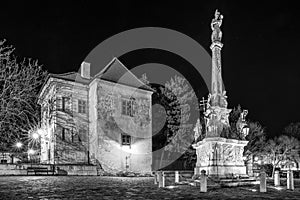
(220, 157)
(222, 171)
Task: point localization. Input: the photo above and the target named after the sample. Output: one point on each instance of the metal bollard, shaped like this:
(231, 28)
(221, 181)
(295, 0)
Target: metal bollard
(203, 181)
(263, 182)
(276, 178)
(176, 176)
(290, 180)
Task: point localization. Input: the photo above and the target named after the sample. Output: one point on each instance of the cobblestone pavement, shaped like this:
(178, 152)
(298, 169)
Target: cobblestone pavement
(68, 187)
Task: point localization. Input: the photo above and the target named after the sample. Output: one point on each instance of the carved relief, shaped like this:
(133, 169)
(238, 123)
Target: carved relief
(229, 153)
(239, 154)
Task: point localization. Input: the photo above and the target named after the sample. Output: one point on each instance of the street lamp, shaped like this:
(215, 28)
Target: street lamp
(19, 145)
(30, 153)
(245, 130)
(35, 136)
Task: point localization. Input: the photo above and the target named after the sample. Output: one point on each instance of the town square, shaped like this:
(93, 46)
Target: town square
(126, 107)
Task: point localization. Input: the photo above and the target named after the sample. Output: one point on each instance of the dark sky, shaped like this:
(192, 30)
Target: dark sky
(260, 57)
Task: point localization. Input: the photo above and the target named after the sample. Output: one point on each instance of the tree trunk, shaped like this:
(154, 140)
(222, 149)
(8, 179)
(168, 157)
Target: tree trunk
(273, 171)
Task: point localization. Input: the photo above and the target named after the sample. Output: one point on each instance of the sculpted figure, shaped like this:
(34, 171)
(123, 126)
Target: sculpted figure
(215, 26)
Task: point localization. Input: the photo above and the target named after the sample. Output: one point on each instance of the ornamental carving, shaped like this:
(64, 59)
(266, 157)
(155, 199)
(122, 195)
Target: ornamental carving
(239, 154)
(203, 155)
(229, 153)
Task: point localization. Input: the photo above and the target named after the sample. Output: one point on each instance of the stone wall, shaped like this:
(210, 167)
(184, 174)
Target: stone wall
(12, 169)
(71, 170)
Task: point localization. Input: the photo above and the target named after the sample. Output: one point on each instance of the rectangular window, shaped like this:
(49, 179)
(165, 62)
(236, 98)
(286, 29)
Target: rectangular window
(3, 161)
(126, 139)
(127, 107)
(81, 106)
(63, 134)
(65, 103)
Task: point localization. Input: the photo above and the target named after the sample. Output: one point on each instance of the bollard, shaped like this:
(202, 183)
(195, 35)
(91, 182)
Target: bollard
(290, 180)
(263, 182)
(163, 179)
(155, 178)
(276, 178)
(176, 176)
(203, 181)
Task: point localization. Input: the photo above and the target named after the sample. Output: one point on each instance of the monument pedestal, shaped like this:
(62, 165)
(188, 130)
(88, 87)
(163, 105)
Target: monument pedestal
(220, 157)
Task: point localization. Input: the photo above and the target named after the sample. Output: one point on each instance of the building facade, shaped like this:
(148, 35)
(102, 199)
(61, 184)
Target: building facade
(103, 120)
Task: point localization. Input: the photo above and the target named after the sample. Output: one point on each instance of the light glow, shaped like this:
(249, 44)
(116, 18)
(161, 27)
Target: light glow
(31, 151)
(35, 136)
(19, 144)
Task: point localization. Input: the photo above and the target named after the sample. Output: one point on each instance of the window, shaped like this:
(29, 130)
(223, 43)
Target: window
(128, 107)
(63, 134)
(126, 139)
(82, 135)
(65, 103)
(81, 106)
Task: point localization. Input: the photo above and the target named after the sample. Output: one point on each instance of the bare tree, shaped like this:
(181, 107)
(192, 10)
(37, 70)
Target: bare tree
(281, 149)
(176, 97)
(20, 81)
(293, 130)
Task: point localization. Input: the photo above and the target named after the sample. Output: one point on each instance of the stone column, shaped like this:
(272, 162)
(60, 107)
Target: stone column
(263, 182)
(276, 178)
(176, 176)
(203, 181)
(290, 180)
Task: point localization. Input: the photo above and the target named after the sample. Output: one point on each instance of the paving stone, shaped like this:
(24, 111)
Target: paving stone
(91, 187)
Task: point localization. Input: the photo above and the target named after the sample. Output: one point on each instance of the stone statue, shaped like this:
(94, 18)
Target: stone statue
(197, 130)
(215, 26)
(241, 123)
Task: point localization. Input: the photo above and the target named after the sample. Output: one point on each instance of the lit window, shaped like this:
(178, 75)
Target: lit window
(126, 139)
(81, 106)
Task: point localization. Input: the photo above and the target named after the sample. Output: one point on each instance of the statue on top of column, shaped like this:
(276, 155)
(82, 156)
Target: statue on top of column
(215, 26)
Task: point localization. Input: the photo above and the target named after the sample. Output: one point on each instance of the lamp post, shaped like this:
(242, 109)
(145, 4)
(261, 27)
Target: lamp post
(245, 130)
(30, 153)
(19, 145)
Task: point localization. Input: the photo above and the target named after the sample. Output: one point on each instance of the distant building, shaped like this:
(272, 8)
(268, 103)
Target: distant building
(103, 120)
(8, 158)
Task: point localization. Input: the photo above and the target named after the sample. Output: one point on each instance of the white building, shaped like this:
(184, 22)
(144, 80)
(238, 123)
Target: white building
(104, 119)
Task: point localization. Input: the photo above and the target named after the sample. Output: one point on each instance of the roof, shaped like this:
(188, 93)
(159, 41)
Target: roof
(116, 72)
(71, 76)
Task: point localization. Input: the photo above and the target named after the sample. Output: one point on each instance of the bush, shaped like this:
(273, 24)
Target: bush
(268, 168)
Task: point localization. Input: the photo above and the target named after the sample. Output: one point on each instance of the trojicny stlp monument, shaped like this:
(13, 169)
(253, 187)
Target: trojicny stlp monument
(216, 155)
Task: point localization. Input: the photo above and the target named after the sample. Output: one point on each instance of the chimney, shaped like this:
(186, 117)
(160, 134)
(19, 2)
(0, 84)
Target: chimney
(85, 70)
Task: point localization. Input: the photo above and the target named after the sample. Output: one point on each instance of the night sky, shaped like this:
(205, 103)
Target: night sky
(260, 57)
